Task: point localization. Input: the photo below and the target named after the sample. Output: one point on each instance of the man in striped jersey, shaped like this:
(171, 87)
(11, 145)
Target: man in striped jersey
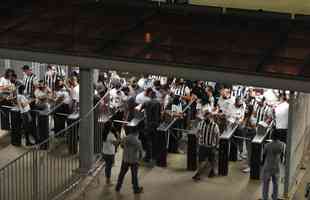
(30, 81)
(208, 139)
(59, 71)
(263, 111)
(180, 89)
(50, 77)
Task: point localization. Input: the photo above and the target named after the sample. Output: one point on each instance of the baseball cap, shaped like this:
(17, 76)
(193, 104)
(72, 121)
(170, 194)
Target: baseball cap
(25, 67)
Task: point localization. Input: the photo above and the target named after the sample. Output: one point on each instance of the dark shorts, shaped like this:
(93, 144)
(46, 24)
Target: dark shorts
(206, 153)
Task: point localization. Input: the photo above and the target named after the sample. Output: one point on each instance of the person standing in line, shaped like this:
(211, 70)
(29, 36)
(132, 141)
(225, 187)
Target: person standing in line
(108, 151)
(250, 132)
(42, 95)
(271, 169)
(6, 88)
(281, 117)
(26, 119)
(16, 81)
(5, 81)
(236, 113)
(152, 111)
(50, 77)
(132, 154)
(30, 81)
(75, 93)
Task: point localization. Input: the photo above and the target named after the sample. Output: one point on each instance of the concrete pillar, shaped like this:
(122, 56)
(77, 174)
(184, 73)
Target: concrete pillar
(289, 145)
(86, 130)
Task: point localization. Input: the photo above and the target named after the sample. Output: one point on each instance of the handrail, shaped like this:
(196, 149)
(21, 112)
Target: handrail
(15, 159)
(49, 111)
(37, 146)
(175, 119)
(74, 123)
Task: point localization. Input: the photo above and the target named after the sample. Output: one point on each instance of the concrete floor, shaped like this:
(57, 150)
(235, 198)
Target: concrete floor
(7, 151)
(300, 193)
(175, 182)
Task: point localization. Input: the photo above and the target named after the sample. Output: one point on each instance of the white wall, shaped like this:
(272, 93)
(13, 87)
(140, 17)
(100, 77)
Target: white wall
(300, 135)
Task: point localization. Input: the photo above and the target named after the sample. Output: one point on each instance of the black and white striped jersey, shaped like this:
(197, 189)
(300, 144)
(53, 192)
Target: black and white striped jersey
(238, 91)
(262, 112)
(50, 79)
(29, 83)
(209, 133)
(60, 71)
(181, 90)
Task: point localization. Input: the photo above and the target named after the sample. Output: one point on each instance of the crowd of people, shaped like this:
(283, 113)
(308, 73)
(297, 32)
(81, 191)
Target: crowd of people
(214, 106)
(31, 93)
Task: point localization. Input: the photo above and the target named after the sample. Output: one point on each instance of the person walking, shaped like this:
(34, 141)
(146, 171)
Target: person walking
(271, 169)
(208, 138)
(152, 111)
(108, 152)
(132, 154)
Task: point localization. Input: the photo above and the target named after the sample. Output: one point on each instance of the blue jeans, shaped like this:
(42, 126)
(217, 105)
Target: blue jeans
(134, 175)
(275, 182)
(109, 160)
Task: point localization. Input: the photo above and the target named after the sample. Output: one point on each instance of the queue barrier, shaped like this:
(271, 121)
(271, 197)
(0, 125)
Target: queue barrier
(225, 146)
(60, 120)
(192, 147)
(257, 151)
(5, 117)
(16, 138)
(73, 135)
(164, 134)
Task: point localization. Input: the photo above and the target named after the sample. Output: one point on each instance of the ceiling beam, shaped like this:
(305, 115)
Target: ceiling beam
(186, 71)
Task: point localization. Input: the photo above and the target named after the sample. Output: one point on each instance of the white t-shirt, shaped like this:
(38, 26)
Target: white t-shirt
(281, 115)
(4, 82)
(141, 98)
(158, 94)
(23, 101)
(108, 147)
(75, 93)
(117, 98)
(141, 83)
(63, 93)
(235, 114)
(271, 96)
(225, 104)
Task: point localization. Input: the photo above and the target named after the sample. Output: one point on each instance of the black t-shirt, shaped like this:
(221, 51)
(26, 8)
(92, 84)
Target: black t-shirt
(152, 111)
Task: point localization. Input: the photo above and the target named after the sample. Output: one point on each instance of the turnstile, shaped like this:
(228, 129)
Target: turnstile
(225, 150)
(257, 151)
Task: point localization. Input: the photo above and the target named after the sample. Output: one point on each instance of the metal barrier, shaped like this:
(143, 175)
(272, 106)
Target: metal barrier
(48, 169)
(225, 150)
(5, 117)
(257, 151)
(164, 134)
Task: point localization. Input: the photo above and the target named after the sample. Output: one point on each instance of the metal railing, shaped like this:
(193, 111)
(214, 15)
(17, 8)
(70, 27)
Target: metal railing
(44, 173)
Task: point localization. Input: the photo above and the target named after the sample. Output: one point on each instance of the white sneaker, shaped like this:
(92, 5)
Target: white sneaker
(246, 170)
